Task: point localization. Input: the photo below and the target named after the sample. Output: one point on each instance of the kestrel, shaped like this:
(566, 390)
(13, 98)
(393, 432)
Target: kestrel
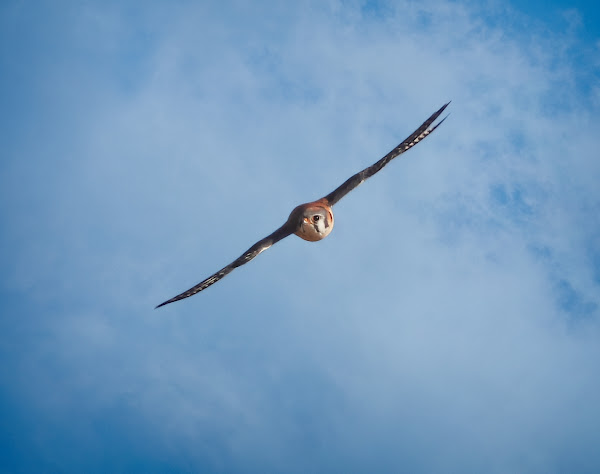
(313, 221)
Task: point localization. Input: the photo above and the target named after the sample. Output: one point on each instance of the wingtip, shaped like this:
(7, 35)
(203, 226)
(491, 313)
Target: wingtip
(440, 122)
(443, 107)
(438, 113)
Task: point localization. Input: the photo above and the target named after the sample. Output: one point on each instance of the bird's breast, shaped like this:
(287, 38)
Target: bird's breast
(309, 233)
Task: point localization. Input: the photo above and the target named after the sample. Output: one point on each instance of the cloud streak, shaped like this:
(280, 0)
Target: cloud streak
(450, 321)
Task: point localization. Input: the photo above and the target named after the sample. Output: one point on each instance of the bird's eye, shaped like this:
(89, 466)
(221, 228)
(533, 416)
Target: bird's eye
(316, 218)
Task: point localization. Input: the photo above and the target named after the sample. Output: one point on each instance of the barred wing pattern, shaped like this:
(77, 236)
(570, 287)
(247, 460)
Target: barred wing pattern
(418, 135)
(298, 218)
(248, 255)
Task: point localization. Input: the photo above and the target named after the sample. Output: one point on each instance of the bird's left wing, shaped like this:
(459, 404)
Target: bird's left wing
(258, 247)
(418, 135)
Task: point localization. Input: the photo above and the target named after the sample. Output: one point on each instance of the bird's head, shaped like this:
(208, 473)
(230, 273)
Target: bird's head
(313, 221)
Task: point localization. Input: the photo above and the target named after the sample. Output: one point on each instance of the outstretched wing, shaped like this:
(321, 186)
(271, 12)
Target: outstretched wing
(418, 135)
(248, 255)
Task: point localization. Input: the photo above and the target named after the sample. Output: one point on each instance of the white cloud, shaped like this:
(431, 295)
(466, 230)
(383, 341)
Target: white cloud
(450, 322)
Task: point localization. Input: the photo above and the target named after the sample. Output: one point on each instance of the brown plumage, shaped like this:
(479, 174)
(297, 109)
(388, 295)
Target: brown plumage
(313, 221)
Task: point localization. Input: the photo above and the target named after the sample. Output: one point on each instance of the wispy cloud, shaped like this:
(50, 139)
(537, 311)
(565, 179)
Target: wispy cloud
(449, 323)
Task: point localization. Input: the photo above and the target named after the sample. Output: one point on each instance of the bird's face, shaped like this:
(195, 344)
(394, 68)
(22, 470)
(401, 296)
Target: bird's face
(314, 221)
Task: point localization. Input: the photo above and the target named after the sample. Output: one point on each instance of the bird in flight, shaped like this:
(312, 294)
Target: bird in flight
(313, 221)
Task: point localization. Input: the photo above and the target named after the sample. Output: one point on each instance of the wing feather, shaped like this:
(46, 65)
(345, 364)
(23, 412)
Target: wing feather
(248, 255)
(418, 135)
(332, 198)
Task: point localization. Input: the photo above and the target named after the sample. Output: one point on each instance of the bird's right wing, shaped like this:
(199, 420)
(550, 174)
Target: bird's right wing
(248, 255)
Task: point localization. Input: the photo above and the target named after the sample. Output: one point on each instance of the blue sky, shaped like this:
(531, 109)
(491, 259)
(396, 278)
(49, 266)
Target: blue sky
(450, 322)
